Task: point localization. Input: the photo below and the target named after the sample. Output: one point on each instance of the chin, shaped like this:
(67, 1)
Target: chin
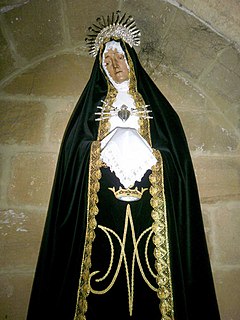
(120, 80)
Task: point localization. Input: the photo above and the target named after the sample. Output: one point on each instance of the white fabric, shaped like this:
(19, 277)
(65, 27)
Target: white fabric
(114, 45)
(127, 154)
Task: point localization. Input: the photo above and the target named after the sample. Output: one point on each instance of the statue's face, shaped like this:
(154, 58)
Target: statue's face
(116, 65)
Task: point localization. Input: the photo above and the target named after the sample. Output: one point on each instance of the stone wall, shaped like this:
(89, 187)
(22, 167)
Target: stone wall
(197, 69)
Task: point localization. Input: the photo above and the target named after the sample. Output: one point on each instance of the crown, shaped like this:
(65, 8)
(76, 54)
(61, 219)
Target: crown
(114, 26)
(128, 194)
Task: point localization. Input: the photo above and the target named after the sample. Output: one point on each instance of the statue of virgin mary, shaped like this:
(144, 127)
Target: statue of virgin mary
(124, 236)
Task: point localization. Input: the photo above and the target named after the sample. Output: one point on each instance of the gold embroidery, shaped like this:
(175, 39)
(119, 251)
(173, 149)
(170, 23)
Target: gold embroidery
(123, 258)
(104, 125)
(160, 240)
(144, 124)
(92, 211)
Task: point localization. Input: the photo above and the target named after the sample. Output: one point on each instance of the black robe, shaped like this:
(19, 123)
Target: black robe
(56, 288)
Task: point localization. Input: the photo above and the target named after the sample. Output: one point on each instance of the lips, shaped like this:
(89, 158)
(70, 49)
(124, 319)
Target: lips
(118, 72)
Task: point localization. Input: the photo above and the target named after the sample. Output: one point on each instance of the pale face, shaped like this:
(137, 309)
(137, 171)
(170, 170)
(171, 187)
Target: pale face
(116, 65)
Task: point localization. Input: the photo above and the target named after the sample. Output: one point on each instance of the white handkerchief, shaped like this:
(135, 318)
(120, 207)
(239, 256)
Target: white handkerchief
(127, 154)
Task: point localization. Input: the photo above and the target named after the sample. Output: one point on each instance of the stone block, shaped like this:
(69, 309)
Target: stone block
(58, 126)
(209, 132)
(221, 81)
(6, 59)
(230, 58)
(189, 46)
(216, 13)
(61, 104)
(193, 62)
(153, 24)
(228, 292)
(15, 288)
(32, 177)
(180, 92)
(226, 224)
(81, 17)
(36, 28)
(217, 177)
(20, 237)
(22, 122)
(229, 110)
(1, 174)
(63, 75)
(21, 84)
(208, 230)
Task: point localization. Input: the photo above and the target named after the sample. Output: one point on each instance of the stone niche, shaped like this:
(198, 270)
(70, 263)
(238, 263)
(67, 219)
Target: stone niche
(43, 71)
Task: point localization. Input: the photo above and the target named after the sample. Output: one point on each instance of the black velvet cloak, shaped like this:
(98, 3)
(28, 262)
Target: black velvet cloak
(56, 284)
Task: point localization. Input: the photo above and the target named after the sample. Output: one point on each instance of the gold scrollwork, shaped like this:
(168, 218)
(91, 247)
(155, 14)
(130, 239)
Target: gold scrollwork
(123, 258)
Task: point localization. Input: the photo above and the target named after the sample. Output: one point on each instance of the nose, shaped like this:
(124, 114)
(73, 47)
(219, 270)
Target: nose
(115, 62)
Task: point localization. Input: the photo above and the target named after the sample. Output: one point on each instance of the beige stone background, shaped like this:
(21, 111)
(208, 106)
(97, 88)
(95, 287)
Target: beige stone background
(191, 50)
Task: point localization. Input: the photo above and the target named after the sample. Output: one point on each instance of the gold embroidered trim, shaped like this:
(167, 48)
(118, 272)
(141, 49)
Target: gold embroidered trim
(160, 239)
(92, 211)
(104, 124)
(123, 258)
